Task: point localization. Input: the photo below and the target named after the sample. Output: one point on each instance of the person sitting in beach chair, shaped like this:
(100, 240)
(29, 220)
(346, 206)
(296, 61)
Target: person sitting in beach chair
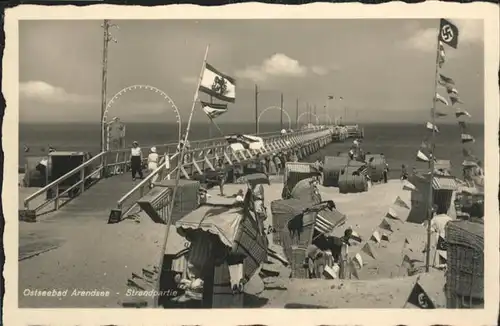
(334, 244)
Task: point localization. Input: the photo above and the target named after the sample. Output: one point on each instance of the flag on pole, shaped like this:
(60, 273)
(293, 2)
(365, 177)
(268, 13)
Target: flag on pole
(431, 127)
(441, 55)
(466, 138)
(441, 99)
(445, 81)
(460, 112)
(452, 91)
(218, 85)
(422, 157)
(455, 99)
(420, 298)
(213, 110)
(448, 33)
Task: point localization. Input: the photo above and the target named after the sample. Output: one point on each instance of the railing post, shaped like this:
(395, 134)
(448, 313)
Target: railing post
(82, 178)
(104, 164)
(56, 193)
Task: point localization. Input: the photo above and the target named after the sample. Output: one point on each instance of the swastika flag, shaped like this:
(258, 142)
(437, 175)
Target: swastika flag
(448, 33)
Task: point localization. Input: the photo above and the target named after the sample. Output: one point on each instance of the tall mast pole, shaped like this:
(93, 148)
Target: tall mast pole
(281, 112)
(297, 114)
(256, 109)
(104, 81)
(431, 165)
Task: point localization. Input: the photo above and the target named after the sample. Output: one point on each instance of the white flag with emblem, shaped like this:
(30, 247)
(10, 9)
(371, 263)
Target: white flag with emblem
(218, 85)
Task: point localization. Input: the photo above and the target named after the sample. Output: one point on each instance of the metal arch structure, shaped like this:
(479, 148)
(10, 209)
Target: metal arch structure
(137, 87)
(310, 113)
(327, 116)
(274, 108)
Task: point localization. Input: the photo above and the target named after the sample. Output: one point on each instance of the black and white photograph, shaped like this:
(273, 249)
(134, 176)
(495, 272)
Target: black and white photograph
(213, 158)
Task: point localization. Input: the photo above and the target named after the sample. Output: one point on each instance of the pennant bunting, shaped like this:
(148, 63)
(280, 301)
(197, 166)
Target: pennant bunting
(455, 99)
(448, 33)
(460, 112)
(445, 81)
(425, 145)
(440, 114)
(431, 127)
(218, 85)
(462, 125)
(441, 99)
(213, 111)
(466, 138)
(422, 157)
(452, 91)
(409, 186)
(331, 97)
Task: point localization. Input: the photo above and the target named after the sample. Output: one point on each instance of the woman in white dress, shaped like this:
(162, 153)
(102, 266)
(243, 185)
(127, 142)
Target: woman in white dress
(153, 158)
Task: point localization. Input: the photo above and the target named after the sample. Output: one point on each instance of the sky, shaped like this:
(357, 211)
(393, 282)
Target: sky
(383, 68)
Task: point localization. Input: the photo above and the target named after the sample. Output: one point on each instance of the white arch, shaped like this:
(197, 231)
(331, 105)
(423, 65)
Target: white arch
(146, 87)
(326, 115)
(310, 113)
(275, 108)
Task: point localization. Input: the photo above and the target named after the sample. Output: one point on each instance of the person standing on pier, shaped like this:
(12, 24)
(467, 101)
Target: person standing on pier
(153, 158)
(404, 172)
(136, 160)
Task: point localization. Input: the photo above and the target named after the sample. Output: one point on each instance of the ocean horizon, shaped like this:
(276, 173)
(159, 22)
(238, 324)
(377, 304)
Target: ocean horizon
(398, 142)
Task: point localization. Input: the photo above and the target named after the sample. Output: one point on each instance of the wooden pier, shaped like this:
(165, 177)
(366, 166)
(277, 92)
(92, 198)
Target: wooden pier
(74, 242)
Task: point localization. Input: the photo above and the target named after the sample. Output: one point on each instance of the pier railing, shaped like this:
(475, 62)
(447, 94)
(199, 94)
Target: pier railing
(115, 162)
(199, 160)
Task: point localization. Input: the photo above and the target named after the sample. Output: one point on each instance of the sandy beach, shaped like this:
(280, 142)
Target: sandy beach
(93, 255)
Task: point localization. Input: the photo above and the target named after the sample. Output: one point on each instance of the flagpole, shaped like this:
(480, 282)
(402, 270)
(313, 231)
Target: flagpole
(281, 112)
(297, 114)
(256, 109)
(179, 165)
(433, 147)
(209, 124)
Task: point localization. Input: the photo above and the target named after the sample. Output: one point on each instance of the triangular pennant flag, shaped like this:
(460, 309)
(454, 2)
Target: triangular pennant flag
(406, 241)
(460, 112)
(391, 213)
(441, 99)
(431, 127)
(466, 138)
(355, 236)
(358, 261)
(367, 249)
(384, 225)
(376, 236)
(462, 125)
(419, 298)
(445, 81)
(385, 237)
(452, 91)
(455, 99)
(440, 114)
(409, 186)
(401, 202)
(406, 262)
(421, 157)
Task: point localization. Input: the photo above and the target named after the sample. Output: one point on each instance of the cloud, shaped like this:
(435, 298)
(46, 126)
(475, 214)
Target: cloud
(42, 91)
(278, 65)
(318, 70)
(471, 31)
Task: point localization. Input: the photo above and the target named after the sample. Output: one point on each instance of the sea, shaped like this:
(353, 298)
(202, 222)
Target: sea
(398, 142)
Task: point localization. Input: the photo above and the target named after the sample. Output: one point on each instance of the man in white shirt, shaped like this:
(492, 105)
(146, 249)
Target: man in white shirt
(153, 158)
(136, 160)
